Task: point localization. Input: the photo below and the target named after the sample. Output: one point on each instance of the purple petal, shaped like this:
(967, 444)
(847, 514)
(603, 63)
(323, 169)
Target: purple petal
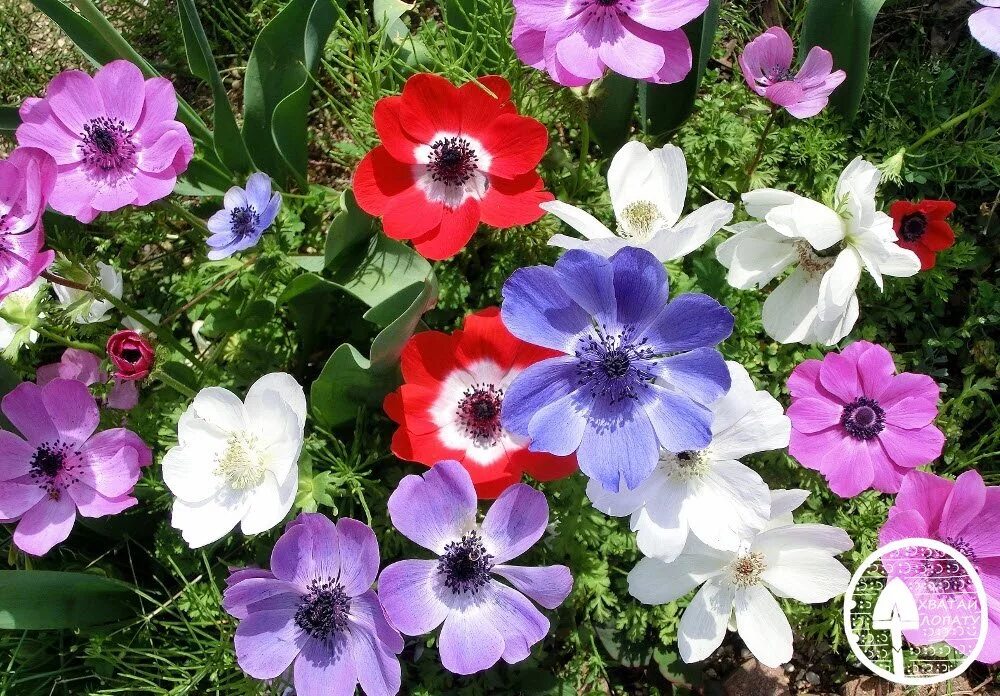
(905, 524)
(112, 475)
(359, 558)
(668, 14)
(701, 374)
(470, 641)
(17, 496)
(258, 190)
(518, 620)
(515, 522)
(92, 503)
(964, 504)
(839, 375)
(48, 523)
(558, 427)
(375, 644)
(238, 598)
(619, 446)
(72, 408)
(536, 309)
(911, 448)
(911, 413)
(632, 49)
(267, 642)
(307, 551)
(121, 87)
(435, 508)
(326, 669)
(123, 395)
(691, 321)
(411, 595)
(547, 585)
(240, 574)
(74, 99)
(589, 279)
(680, 423)
(367, 611)
(15, 456)
(544, 383)
(25, 409)
(641, 286)
(811, 415)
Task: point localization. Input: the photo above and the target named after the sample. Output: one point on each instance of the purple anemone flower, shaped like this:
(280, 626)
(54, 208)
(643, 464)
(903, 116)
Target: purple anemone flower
(26, 181)
(113, 136)
(637, 372)
(576, 41)
(985, 25)
(61, 466)
(767, 67)
(86, 367)
(315, 611)
(484, 620)
(247, 213)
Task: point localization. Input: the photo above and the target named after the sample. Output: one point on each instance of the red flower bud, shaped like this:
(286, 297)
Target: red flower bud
(131, 354)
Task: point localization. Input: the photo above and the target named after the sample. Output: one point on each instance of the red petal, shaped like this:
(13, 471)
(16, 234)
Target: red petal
(899, 210)
(511, 202)
(939, 236)
(428, 358)
(425, 449)
(388, 123)
(409, 215)
(484, 336)
(478, 106)
(430, 105)
(491, 489)
(927, 257)
(937, 210)
(545, 467)
(517, 144)
(457, 228)
(378, 178)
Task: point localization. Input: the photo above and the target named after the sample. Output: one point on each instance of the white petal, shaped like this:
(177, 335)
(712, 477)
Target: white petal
(762, 201)
(734, 405)
(763, 626)
(654, 582)
(671, 170)
(629, 176)
(808, 576)
(703, 625)
(755, 255)
(829, 332)
(605, 246)
(747, 420)
(729, 504)
(270, 502)
(860, 179)
(190, 473)
(790, 310)
(886, 258)
(783, 502)
(111, 279)
(275, 387)
(691, 232)
(210, 520)
(221, 408)
(838, 285)
(580, 220)
(809, 220)
(626, 501)
(810, 537)
(657, 540)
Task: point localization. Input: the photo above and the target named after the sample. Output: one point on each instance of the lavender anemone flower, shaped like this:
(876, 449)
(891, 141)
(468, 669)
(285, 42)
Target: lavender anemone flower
(637, 372)
(113, 136)
(247, 213)
(575, 42)
(484, 620)
(316, 612)
(26, 181)
(984, 24)
(767, 67)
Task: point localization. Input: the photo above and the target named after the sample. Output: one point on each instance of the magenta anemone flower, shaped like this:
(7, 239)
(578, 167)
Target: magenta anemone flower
(26, 181)
(767, 66)
(86, 367)
(576, 41)
(484, 620)
(965, 515)
(315, 612)
(113, 136)
(860, 424)
(61, 466)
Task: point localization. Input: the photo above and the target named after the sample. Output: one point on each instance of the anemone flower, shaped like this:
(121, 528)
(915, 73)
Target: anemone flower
(82, 305)
(85, 367)
(246, 214)
(21, 308)
(923, 228)
(27, 179)
(647, 190)
(483, 619)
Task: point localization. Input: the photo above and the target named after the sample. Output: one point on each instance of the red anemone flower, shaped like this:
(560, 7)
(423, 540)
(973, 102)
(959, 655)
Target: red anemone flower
(451, 157)
(923, 229)
(449, 404)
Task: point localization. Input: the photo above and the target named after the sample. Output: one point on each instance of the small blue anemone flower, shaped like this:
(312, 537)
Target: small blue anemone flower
(247, 213)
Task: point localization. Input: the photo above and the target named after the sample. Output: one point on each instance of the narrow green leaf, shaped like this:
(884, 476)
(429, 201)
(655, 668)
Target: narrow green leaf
(228, 139)
(43, 599)
(349, 228)
(84, 34)
(843, 27)
(9, 119)
(610, 109)
(278, 86)
(663, 108)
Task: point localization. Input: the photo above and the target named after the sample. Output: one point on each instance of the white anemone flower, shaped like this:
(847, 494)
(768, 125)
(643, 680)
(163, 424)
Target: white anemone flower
(235, 462)
(19, 305)
(828, 248)
(647, 188)
(708, 493)
(793, 561)
(85, 308)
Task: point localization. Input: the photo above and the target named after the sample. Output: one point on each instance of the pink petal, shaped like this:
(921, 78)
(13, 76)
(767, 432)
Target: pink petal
(15, 456)
(40, 128)
(911, 448)
(839, 374)
(911, 413)
(160, 102)
(46, 524)
(964, 504)
(627, 54)
(93, 504)
(812, 415)
(74, 99)
(25, 409)
(19, 496)
(850, 468)
(120, 85)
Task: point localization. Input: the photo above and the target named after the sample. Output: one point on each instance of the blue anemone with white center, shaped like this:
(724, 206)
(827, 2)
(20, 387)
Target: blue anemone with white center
(637, 370)
(247, 214)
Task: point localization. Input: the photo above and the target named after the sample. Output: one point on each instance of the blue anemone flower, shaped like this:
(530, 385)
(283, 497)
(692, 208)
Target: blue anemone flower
(637, 371)
(247, 213)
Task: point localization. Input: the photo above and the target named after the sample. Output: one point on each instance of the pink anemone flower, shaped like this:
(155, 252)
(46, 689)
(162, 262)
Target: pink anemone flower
(26, 181)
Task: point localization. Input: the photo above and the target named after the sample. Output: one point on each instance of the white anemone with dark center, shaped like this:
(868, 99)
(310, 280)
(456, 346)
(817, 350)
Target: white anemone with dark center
(467, 413)
(452, 169)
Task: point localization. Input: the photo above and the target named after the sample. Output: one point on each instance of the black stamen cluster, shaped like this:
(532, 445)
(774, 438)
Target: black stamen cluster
(452, 161)
(50, 460)
(324, 609)
(479, 413)
(863, 418)
(107, 144)
(913, 226)
(614, 366)
(465, 564)
(244, 220)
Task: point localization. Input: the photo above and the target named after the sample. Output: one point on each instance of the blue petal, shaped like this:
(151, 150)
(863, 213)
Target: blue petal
(557, 428)
(589, 279)
(690, 321)
(538, 386)
(681, 425)
(269, 212)
(641, 286)
(537, 310)
(701, 374)
(258, 190)
(619, 446)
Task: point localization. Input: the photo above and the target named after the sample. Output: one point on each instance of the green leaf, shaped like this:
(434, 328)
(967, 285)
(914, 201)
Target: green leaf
(8, 380)
(228, 139)
(610, 110)
(9, 118)
(201, 179)
(663, 108)
(43, 599)
(390, 12)
(349, 228)
(84, 34)
(278, 85)
(843, 27)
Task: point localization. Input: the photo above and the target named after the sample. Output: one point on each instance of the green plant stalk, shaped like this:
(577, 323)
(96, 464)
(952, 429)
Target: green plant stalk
(191, 218)
(174, 384)
(92, 14)
(961, 118)
(584, 151)
(760, 146)
(42, 331)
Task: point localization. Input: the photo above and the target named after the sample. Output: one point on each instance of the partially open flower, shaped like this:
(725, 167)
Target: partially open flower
(131, 354)
(923, 228)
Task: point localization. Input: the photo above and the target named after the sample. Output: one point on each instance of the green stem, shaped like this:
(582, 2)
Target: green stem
(177, 386)
(92, 14)
(760, 146)
(62, 340)
(961, 118)
(584, 150)
(180, 210)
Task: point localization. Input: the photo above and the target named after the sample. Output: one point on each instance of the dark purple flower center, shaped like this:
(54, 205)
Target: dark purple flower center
(243, 221)
(324, 609)
(607, 3)
(962, 546)
(465, 564)
(779, 73)
(614, 366)
(479, 413)
(863, 418)
(913, 226)
(107, 144)
(132, 355)
(52, 460)
(453, 161)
